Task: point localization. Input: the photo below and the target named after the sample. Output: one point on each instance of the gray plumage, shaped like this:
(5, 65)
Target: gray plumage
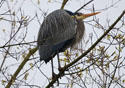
(58, 32)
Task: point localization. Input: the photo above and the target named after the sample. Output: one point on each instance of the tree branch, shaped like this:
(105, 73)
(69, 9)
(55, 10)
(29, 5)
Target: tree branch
(83, 6)
(64, 3)
(13, 78)
(18, 44)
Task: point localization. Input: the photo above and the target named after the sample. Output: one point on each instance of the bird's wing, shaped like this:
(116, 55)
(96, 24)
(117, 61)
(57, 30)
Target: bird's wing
(57, 27)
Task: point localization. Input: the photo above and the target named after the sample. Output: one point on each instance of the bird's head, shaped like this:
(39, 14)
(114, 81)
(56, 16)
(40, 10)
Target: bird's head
(81, 16)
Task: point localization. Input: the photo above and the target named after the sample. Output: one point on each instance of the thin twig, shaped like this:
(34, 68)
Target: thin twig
(83, 6)
(26, 43)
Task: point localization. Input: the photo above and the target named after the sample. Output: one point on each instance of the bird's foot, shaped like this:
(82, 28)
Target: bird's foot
(60, 69)
(54, 77)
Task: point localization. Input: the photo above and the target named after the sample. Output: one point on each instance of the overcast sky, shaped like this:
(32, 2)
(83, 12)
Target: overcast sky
(30, 8)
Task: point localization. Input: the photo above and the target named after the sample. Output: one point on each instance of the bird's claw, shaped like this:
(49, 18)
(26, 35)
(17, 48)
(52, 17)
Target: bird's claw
(53, 77)
(60, 69)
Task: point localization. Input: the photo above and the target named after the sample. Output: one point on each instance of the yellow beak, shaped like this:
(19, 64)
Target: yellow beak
(84, 16)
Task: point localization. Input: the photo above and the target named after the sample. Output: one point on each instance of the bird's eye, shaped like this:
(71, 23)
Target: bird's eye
(79, 14)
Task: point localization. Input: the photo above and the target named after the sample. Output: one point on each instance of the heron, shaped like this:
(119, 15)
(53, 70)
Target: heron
(60, 30)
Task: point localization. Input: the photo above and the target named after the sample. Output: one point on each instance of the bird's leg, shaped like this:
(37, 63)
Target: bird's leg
(59, 66)
(53, 74)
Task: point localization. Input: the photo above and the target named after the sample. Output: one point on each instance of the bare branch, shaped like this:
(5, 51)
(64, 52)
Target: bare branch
(64, 3)
(13, 78)
(83, 6)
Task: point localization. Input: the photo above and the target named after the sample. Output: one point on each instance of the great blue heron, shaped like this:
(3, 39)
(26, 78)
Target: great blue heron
(60, 30)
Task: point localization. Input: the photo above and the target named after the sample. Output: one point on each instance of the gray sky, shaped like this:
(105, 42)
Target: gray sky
(30, 10)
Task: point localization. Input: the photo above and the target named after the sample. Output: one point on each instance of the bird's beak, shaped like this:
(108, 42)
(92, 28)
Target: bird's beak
(84, 16)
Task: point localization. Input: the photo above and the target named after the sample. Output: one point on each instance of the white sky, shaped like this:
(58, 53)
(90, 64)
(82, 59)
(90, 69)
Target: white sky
(30, 10)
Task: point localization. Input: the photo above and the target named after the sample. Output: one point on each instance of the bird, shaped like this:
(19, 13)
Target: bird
(60, 30)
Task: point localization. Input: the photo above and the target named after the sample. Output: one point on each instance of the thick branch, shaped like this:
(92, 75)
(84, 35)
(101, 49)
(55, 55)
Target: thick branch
(13, 78)
(85, 53)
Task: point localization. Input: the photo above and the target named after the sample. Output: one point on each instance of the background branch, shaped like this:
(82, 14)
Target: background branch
(83, 6)
(64, 3)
